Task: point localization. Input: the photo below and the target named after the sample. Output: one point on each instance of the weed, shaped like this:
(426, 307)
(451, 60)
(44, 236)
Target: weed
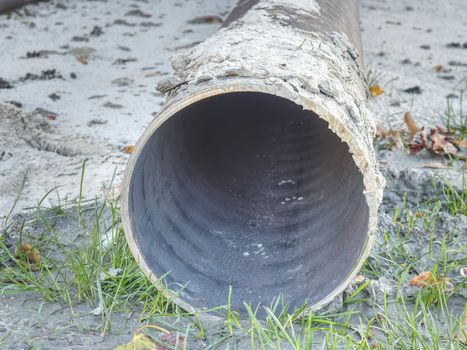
(455, 120)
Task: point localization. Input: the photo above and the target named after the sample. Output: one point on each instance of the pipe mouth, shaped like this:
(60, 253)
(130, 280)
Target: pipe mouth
(248, 190)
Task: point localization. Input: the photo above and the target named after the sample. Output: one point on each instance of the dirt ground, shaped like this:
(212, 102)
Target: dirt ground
(77, 83)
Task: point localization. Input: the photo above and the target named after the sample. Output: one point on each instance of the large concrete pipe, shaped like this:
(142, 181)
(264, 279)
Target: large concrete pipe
(259, 172)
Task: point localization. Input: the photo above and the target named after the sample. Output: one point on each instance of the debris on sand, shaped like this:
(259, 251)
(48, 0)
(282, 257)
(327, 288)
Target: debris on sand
(138, 13)
(5, 84)
(54, 97)
(122, 22)
(97, 121)
(457, 45)
(206, 20)
(128, 149)
(96, 31)
(112, 105)
(37, 54)
(83, 54)
(122, 61)
(438, 142)
(416, 90)
(48, 74)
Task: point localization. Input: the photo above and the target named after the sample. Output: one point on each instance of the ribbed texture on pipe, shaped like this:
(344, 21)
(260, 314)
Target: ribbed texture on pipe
(259, 172)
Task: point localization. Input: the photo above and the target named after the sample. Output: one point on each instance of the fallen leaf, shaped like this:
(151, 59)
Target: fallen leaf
(139, 342)
(128, 149)
(437, 68)
(26, 250)
(375, 90)
(418, 146)
(439, 142)
(412, 128)
(426, 278)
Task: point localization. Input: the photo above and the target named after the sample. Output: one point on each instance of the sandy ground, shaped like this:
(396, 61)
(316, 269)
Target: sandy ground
(104, 59)
(82, 75)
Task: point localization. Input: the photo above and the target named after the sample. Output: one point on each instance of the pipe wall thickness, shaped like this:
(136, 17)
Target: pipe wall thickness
(259, 172)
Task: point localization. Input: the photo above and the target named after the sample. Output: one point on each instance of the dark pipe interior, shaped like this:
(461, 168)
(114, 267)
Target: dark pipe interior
(249, 190)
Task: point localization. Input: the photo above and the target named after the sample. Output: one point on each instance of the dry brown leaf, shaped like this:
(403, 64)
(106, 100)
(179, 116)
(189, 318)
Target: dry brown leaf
(375, 90)
(437, 68)
(411, 126)
(438, 142)
(426, 278)
(26, 250)
(128, 149)
(441, 144)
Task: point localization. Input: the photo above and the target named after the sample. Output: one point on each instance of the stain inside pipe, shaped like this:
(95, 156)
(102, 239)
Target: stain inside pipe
(251, 191)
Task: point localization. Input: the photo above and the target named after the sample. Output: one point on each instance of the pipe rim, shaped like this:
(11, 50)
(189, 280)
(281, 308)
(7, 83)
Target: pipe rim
(176, 105)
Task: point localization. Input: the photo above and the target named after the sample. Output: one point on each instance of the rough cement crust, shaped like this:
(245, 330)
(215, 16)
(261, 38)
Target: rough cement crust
(259, 53)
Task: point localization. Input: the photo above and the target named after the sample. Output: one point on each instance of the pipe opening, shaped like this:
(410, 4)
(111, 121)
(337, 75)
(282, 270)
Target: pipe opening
(248, 189)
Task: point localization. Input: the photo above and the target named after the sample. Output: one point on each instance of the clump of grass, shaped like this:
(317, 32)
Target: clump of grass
(451, 198)
(455, 120)
(96, 267)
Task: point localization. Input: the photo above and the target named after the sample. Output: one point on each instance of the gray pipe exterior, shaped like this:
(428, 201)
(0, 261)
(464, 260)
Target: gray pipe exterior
(307, 52)
(7, 5)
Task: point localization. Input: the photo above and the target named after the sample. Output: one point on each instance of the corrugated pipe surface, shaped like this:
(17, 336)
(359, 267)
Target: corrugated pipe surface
(259, 172)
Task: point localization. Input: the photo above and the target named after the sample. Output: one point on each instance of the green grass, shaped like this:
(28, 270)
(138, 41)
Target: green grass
(94, 266)
(455, 119)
